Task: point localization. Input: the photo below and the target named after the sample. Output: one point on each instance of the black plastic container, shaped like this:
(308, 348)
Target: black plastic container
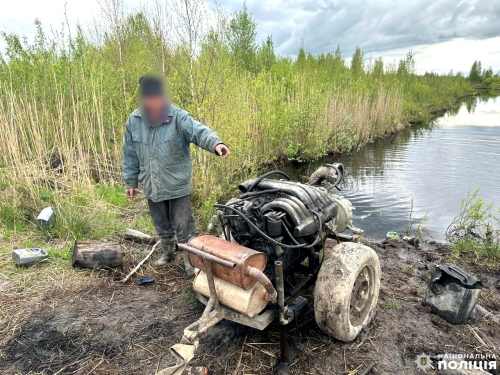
(452, 293)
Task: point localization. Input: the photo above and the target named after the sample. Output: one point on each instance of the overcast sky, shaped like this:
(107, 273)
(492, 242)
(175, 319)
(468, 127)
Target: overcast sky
(443, 34)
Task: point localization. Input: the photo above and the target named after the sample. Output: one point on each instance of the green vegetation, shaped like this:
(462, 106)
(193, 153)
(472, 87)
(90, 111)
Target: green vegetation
(393, 305)
(410, 270)
(476, 229)
(484, 78)
(492, 83)
(64, 99)
(188, 296)
(422, 222)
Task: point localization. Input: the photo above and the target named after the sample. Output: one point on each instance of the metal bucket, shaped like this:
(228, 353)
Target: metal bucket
(242, 256)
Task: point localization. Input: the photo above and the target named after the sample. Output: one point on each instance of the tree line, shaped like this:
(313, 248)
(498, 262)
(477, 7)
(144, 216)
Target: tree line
(484, 77)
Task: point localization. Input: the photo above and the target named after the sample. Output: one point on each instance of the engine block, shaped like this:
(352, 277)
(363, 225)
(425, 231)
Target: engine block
(285, 219)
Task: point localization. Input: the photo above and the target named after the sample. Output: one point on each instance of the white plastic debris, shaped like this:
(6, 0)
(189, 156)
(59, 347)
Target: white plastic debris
(45, 218)
(23, 257)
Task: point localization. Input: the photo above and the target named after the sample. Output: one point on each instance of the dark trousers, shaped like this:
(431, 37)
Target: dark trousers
(173, 217)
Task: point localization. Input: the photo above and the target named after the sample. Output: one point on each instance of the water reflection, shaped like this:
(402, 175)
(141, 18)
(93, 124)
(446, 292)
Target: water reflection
(433, 166)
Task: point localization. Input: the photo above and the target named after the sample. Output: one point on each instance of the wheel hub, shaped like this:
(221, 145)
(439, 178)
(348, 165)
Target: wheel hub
(361, 296)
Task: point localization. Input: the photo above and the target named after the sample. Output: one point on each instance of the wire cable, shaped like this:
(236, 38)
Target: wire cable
(264, 235)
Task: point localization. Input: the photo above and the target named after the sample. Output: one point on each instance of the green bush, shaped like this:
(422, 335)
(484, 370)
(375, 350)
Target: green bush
(492, 82)
(476, 228)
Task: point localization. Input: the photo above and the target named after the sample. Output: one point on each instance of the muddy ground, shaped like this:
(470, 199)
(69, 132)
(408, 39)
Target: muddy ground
(81, 322)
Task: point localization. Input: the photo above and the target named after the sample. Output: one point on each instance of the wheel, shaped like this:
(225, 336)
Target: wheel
(346, 291)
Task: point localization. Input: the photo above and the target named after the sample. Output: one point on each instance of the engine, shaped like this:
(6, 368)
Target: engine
(288, 220)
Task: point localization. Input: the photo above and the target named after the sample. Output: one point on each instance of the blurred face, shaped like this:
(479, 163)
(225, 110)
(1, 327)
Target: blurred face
(154, 104)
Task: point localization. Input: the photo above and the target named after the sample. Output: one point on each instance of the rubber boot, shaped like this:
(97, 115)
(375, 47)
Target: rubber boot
(168, 248)
(187, 264)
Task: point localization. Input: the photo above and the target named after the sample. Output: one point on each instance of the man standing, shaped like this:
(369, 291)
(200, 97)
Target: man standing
(156, 153)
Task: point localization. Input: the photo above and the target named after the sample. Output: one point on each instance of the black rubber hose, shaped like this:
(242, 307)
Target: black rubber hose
(289, 234)
(253, 193)
(262, 234)
(256, 182)
(312, 183)
(339, 174)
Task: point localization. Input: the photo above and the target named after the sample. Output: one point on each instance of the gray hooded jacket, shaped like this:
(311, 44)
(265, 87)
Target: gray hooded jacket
(159, 157)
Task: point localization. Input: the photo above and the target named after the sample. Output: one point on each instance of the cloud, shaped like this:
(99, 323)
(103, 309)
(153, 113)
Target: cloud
(444, 34)
(373, 25)
(456, 54)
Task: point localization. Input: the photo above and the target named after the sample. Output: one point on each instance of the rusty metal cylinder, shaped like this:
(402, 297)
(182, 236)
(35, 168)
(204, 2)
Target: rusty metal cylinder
(242, 256)
(249, 302)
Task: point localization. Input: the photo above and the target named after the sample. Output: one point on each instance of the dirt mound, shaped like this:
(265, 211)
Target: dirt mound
(110, 328)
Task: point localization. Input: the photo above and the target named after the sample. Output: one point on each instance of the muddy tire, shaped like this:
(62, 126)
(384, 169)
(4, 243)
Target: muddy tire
(346, 292)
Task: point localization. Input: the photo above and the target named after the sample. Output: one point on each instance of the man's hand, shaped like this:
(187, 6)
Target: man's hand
(222, 150)
(130, 192)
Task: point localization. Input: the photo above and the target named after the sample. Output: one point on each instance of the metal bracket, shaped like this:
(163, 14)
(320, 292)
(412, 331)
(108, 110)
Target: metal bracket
(283, 309)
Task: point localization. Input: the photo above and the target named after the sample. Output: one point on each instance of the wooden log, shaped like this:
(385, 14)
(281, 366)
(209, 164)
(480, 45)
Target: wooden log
(94, 254)
(138, 236)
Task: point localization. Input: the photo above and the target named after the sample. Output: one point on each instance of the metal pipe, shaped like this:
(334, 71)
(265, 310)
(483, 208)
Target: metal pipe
(299, 203)
(204, 255)
(254, 193)
(208, 309)
(264, 280)
(287, 207)
(292, 189)
(295, 207)
(256, 182)
(316, 198)
(211, 283)
(280, 286)
(368, 369)
(206, 313)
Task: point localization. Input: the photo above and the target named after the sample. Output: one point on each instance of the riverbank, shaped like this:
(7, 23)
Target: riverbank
(76, 321)
(397, 177)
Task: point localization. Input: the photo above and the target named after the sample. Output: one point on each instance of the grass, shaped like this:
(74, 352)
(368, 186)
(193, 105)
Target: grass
(409, 270)
(188, 296)
(102, 213)
(113, 195)
(480, 249)
(412, 220)
(393, 306)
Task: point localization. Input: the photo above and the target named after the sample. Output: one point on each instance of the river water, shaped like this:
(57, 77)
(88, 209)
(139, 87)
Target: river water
(429, 168)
